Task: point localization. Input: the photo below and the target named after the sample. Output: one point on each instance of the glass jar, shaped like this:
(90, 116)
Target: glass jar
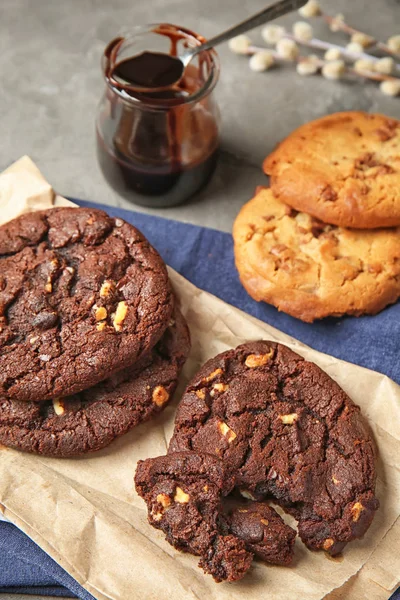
(158, 148)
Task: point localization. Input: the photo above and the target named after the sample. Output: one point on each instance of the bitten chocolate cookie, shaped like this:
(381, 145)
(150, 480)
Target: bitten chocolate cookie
(82, 296)
(183, 492)
(285, 430)
(92, 419)
(311, 270)
(343, 169)
(263, 531)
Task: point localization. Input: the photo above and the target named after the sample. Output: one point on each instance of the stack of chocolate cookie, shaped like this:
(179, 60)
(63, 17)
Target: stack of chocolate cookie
(259, 424)
(91, 337)
(324, 239)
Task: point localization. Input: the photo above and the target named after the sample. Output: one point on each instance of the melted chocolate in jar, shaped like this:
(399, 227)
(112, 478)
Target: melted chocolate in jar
(159, 157)
(150, 70)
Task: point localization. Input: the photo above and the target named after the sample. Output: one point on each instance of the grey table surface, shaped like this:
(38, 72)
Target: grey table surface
(51, 84)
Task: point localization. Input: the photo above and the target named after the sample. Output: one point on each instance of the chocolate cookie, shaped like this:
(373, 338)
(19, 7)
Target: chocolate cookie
(183, 494)
(343, 169)
(263, 531)
(312, 270)
(285, 430)
(92, 419)
(82, 295)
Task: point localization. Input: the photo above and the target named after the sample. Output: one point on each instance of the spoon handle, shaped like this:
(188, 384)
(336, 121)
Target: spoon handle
(268, 14)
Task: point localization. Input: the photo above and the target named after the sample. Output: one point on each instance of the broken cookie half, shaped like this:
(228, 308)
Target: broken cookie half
(184, 493)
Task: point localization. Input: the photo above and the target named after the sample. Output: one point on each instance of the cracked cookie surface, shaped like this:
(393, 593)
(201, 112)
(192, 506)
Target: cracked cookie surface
(183, 493)
(82, 295)
(286, 431)
(93, 418)
(312, 270)
(343, 169)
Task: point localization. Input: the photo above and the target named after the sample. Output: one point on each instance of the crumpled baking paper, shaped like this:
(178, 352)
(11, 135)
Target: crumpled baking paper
(86, 514)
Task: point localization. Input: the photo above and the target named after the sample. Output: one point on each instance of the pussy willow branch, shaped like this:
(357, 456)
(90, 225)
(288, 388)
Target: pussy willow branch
(317, 44)
(321, 63)
(342, 26)
(254, 49)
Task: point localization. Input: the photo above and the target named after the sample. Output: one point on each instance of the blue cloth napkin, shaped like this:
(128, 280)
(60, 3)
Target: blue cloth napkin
(205, 257)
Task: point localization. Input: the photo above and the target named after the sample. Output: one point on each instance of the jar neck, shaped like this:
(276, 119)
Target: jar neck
(198, 81)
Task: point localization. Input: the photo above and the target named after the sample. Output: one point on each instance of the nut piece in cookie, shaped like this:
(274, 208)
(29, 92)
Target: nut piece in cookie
(263, 531)
(183, 492)
(160, 395)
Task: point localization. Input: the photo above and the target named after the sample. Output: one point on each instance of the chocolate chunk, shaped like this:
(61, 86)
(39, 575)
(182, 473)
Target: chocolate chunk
(263, 531)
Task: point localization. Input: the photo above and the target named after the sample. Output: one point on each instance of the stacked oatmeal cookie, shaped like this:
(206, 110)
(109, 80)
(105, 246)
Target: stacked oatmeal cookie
(324, 239)
(91, 337)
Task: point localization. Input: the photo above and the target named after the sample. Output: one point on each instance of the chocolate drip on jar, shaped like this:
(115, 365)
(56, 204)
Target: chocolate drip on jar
(159, 147)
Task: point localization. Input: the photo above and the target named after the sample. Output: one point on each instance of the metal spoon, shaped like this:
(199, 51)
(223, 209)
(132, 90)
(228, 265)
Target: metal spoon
(163, 70)
(268, 14)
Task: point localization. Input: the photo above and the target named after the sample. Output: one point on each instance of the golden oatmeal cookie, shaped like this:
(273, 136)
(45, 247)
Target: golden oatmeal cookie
(312, 270)
(343, 169)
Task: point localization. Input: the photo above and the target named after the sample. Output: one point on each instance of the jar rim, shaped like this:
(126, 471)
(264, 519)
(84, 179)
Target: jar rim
(135, 96)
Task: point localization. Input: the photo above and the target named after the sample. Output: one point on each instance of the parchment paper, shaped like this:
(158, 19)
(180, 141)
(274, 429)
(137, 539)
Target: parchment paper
(85, 512)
